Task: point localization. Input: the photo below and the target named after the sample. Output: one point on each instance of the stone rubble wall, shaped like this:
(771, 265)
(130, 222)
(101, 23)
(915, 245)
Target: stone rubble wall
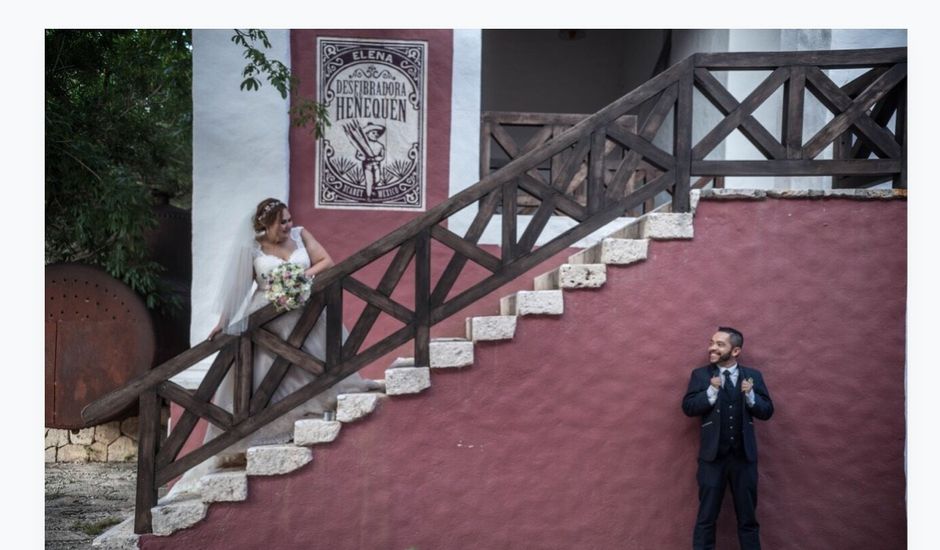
(109, 442)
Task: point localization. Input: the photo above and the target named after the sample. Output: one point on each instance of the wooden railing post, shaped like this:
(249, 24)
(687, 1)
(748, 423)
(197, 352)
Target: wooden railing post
(595, 186)
(510, 190)
(423, 298)
(900, 180)
(486, 129)
(682, 140)
(334, 325)
(244, 378)
(148, 438)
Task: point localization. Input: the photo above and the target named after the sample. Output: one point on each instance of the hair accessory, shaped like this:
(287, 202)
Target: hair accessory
(267, 208)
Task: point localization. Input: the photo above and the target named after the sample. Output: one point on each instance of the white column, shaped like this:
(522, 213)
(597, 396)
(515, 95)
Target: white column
(240, 156)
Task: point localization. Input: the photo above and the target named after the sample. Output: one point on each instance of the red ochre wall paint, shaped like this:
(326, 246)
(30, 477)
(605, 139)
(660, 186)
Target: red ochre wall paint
(571, 435)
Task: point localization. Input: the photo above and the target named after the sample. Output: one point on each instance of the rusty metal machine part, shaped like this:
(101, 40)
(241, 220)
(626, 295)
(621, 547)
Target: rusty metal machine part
(99, 336)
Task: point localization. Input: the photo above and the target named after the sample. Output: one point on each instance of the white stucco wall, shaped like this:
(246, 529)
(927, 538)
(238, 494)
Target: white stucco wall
(240, 156)
(465, 120)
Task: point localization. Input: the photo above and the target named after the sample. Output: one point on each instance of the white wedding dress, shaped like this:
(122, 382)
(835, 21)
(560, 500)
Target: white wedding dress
(280, 430)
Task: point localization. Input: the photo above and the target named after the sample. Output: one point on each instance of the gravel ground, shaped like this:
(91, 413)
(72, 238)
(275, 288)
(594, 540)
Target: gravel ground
(85, 499)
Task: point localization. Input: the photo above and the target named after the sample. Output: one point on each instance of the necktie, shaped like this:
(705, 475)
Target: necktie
(729, 385)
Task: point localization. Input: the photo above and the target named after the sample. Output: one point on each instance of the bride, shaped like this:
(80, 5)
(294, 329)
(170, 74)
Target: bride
(276, 241)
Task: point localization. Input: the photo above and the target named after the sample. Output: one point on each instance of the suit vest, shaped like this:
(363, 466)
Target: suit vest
(731, 432)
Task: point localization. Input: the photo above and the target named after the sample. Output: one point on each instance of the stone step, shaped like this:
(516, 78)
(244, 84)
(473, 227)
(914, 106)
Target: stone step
(119, 537)
(354, 406)
(445, 353)
(267, 460)
(666, 226)
(533, 302)
(406, 380)
(573, 276)
(179, 514)
(490, 328)
(311, 431)
(451, 353)
(224, 486)
(613, 251)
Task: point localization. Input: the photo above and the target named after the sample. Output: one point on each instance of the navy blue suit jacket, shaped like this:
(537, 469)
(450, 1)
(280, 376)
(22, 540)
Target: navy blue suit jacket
(695, 403)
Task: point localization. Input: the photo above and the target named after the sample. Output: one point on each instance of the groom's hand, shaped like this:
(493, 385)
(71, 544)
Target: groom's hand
(746, 385)
(716, 381)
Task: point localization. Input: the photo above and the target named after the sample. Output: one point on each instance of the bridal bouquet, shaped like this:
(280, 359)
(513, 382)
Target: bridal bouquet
(288, 288)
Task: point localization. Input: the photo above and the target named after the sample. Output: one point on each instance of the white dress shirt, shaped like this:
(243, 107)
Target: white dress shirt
(712, 391)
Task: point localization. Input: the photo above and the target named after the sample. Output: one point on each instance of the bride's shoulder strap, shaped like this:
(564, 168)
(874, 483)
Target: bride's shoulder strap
(295, 233)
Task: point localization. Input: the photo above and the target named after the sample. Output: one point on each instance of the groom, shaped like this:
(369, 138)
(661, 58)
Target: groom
(727, 397)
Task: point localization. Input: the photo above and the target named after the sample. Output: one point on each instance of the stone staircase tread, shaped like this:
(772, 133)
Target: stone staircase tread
(407, 380)
(277, 459)
(533, 302)
(491, 328)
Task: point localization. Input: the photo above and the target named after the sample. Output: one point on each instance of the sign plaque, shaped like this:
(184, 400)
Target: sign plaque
(372, 157)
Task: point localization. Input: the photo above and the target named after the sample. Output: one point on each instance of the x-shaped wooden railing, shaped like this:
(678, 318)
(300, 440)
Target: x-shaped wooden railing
(862, 110)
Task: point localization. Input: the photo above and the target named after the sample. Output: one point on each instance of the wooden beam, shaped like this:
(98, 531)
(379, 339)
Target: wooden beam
(466, 248)
(148, 435)
(881, 115)
(294, 355)
(334, 324)
(682, 144)
(827, 59)
(187, 421)
(854, 111)
(451, 273)
(371, 312)
(793, 167)
(736, 119)
(562, 202)
(595, 188)
(213, 413)
(536, 225)
(244, 379)
(422, 317)
(486, 144)
(859, 83)
(378, 299)
(269, 384)
(631, 161)
(571, 165)
(532, 119)
(900, 130)
(653, 154)
(792, 129)
(509, 221)
(726, 103)
(99, 410)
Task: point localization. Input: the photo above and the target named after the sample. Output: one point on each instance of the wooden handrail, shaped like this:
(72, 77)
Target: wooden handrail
(621, 169)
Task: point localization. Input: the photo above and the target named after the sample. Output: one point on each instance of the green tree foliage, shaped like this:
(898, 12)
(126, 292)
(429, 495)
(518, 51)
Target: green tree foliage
(118, 128)
(304, 112)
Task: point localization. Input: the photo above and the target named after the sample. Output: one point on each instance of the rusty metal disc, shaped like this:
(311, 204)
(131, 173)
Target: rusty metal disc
(99, 336)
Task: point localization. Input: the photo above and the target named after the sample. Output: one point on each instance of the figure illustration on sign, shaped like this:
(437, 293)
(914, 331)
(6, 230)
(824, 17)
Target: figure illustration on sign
(368, 150)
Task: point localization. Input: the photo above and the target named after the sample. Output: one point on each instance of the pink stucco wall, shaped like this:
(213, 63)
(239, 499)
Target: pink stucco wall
(571, 435)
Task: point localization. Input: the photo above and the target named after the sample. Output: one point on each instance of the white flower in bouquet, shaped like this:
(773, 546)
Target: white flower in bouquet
(288, 288)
